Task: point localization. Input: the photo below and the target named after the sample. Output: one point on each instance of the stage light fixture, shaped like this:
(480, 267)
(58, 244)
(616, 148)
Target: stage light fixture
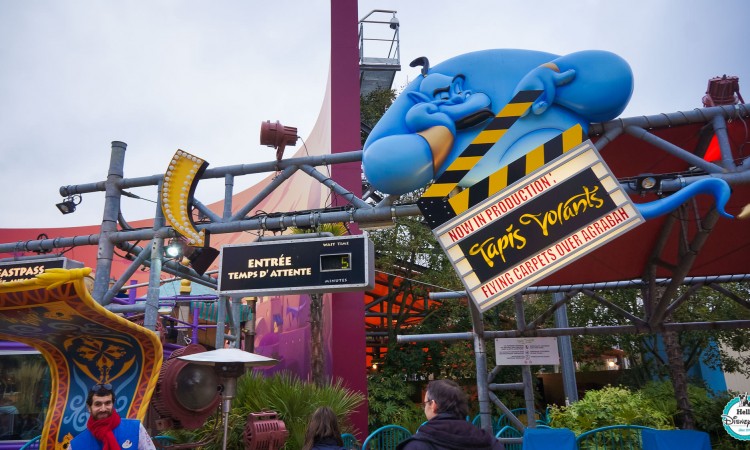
(277, 136)
(648, 183)
(68, 205)
(174, 250)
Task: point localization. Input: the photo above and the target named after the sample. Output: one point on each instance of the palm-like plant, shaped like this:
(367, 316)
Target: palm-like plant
(292, 399)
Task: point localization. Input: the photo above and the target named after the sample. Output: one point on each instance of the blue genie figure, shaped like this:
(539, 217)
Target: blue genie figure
(439, 114)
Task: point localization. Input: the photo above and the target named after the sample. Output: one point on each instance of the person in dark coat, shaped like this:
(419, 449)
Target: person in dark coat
(446, 407)
(323, 432)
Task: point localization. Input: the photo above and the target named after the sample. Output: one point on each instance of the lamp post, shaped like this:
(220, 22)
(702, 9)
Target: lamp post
(229, 364)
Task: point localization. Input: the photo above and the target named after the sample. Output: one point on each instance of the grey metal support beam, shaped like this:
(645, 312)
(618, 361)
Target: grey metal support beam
(608, 285)
(112, 197)
(579, 331)
(667, 120)
(686, 262)
(180, 271)
(221, 314)
(480, 356)
(335, 187)
(613, 307)
(528, 380)
(725, 148)
(206, 212)
(674, 150)
(608, 136)
(154, 276)
(505, 410)
(135, 265)
(228, 190)
(559, 301)
(276, 182)
(35, 245)
(564, 347)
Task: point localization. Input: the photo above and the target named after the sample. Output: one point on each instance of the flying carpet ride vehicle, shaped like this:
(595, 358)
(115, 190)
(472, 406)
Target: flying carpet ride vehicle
(83, 344)
(476, 113)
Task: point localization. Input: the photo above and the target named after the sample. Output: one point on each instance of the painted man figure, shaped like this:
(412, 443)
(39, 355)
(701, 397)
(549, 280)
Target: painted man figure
(105, 430)
(446, 407)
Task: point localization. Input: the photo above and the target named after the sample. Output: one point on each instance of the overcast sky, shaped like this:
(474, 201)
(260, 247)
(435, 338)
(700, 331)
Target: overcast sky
(202, 76)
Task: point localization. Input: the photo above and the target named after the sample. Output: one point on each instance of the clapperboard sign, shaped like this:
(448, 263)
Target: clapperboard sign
(557, 213)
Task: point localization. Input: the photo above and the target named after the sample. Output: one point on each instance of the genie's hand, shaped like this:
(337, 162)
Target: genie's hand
(545, 78)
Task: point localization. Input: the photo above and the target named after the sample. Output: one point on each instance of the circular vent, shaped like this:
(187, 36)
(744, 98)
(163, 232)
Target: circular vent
(186, 393)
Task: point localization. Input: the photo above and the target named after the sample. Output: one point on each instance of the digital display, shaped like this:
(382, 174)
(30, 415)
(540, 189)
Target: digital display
(339, 261)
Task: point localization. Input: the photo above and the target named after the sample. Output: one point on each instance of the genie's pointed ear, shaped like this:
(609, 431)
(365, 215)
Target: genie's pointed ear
(421, 61)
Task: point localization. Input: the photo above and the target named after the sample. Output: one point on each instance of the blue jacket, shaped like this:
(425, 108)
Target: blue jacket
(327, 444)
(126, 434)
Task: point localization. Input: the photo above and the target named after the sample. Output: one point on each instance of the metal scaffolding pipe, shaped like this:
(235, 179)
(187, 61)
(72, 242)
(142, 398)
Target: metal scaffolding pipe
(673, 150)
(668, 120)
(135, 265)
(112, 198)
(220, 172)
(608, 285)
(579, 331)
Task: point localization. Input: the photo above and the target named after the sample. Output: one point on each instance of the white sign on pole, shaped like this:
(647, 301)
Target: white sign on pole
(538, 351)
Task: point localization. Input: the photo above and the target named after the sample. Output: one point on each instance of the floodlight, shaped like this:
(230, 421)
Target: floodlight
(277, 136)
(68, 205)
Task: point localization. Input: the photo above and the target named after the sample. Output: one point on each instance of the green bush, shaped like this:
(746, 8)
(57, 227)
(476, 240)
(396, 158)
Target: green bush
(609, 406)
(284, 393)
(391, 401)
(707, 410)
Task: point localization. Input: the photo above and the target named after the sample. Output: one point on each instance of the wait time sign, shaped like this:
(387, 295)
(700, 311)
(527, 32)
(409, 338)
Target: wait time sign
(295, 266)
(538, 225)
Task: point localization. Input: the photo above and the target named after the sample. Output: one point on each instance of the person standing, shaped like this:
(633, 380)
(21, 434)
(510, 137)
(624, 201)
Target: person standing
(446, 407)
(323, 432)
(105, 430)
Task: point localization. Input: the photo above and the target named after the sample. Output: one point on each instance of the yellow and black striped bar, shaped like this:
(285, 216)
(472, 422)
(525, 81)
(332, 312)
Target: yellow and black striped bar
(481, 144)
(432, 203)
(516, 170)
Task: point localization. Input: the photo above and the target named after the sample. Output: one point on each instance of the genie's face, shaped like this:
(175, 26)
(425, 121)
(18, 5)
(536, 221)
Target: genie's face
(465, 107)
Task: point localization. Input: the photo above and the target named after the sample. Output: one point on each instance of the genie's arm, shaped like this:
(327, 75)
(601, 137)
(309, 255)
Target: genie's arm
(594, 84)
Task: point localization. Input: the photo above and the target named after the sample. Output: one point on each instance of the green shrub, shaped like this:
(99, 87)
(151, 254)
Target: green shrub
(390, 400)
(609, 406)
(284, 393)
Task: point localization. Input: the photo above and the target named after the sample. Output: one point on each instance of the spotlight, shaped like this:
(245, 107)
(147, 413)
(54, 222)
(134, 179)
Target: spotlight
(174, 250)
(648, 183)
(68, 205)
(277, 136)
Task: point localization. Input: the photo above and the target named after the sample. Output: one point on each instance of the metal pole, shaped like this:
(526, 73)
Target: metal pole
(109, 220)
(154, 276)
(528, 384)
(565, 348)
(480, 355)
(135, 265)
